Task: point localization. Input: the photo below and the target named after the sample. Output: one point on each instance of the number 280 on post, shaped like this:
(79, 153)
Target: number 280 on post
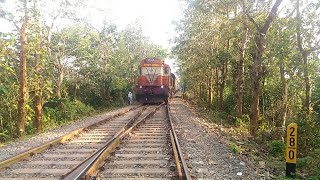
(291, 150)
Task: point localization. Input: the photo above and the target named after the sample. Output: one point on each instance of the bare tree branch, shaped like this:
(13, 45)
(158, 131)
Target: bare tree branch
(3, 16)
(270, 17)
(313, 49)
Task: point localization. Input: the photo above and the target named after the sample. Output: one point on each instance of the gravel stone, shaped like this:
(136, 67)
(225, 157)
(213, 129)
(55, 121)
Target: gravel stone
(21, 145)
(205, 154)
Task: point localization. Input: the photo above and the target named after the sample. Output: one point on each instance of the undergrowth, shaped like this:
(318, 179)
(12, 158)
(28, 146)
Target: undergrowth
(267, 147)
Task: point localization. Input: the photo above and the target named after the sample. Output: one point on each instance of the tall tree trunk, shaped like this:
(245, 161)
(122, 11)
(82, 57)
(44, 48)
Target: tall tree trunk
(284, 104)
(304, 54)
(38, 91)
(23, 73)
(222, 86)
(240, 66)
(254, 108)
(210, 87)
(38, 65)
(60, 80)
(307, 81)
(200, 91)
(1, 125)
(103, 89)
(38, 94)
(256, 71)
(263, 100)
(217, 87)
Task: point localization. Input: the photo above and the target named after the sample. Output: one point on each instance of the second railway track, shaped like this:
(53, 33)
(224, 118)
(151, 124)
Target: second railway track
(145, 152)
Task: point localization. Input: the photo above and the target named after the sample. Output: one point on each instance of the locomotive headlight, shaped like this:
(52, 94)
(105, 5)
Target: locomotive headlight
(161, 86)
(140, 87)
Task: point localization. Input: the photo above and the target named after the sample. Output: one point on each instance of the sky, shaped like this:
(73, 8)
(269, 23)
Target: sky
(156, 17)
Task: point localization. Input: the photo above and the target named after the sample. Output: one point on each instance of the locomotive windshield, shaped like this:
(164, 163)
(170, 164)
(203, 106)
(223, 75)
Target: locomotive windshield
(151, 71)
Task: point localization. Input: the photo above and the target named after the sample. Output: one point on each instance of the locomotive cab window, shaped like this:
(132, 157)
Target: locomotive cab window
(151, 71)
(166, 70)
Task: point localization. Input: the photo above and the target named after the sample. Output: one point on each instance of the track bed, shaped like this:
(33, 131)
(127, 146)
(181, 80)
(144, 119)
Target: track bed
(146, 153)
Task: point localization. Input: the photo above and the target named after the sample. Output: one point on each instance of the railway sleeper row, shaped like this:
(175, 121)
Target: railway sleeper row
(146, 153)
(58, 160)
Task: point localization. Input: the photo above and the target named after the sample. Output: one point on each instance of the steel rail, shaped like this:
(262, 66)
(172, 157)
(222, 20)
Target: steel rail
(30, 152)
(81, 168)
(186, 174)
(93, 170)
(89, 167)
(176, 156)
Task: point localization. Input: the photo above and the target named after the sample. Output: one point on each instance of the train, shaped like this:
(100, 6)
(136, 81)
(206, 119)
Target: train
(156, 83)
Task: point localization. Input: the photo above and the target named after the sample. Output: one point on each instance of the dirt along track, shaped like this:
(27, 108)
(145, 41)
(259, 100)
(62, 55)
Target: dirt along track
(145, 153)
(205, 150)
(58, 160)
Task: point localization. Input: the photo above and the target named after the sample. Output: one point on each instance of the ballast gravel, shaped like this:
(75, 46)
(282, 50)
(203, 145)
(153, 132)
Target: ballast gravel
(207, 156)
(21, 145)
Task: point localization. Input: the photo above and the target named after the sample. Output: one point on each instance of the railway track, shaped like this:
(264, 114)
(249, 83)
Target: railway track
(58, 159)
(145, 151)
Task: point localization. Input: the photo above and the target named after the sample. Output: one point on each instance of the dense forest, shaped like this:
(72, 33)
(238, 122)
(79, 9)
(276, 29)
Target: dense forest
(51, 73)
(256, 65)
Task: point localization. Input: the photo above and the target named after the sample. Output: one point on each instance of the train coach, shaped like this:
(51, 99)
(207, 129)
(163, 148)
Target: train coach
(155, 83)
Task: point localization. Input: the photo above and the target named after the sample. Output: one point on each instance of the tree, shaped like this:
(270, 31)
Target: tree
(23, 71)
(38, 68)
(240, 63)
(305, 52)
(256, 70)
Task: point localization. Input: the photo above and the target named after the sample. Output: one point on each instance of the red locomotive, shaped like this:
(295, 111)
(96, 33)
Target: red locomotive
(156, 83)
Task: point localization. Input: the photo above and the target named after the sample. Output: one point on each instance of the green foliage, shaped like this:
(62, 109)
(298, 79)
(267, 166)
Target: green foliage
(3, 90)
(60, 111)
(303, 162)
(4, 137)
(277, 148)
(212, 40)
(310, 163)
(243, 122)
(234, 147)
(312, 178)
(80, 68)
(308, 133)
(285, 178)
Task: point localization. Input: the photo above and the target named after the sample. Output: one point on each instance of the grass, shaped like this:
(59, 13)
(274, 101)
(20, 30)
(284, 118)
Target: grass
(235, 148)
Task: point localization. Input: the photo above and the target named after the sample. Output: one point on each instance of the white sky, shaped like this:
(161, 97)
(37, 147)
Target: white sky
(156, 15)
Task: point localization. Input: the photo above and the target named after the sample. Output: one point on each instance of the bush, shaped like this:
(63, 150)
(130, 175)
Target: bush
(278, 148)
(243, 122)
(311, 164)
(4, 137)
(60, 111)
(234, 148)
(303, 162)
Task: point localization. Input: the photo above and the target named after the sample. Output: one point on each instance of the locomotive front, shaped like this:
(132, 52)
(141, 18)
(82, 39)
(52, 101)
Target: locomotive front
(153, 81)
